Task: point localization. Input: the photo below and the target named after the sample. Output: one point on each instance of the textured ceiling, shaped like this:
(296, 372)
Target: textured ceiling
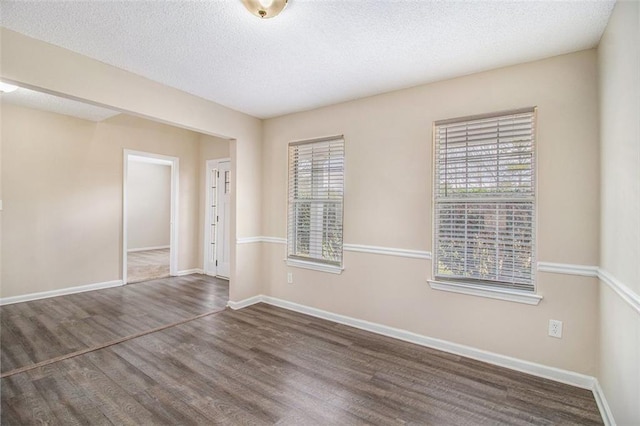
(45, 102)
(316, 52)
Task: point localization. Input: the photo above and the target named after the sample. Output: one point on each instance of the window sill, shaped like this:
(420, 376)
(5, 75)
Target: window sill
(315, 266)
(476, 290)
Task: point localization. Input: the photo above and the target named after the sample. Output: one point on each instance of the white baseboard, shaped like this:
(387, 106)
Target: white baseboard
(189, 272)
(147, 248)
(59, 292)
(246, 302)
(603, 405)
(559, 375)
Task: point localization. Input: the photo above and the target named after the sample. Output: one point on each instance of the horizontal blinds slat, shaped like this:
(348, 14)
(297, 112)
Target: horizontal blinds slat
(484, 193)
(490, 155)
(316, 190)
(516, 112)
(488, 128)
(479, 121)
(510, 136)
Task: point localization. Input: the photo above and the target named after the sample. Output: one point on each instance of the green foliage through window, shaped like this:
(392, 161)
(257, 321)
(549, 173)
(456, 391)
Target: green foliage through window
(316, 189)
(485, 200)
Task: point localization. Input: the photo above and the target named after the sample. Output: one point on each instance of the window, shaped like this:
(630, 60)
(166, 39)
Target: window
(484, 193)
(316, 190)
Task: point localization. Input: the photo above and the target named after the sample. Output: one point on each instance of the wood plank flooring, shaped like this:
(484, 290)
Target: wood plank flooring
(265, 365)
(147, 265)
(36, 331)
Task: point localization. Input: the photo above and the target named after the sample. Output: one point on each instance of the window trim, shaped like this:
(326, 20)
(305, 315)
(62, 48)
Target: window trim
(476, 287)
(316, 266)
(527, 297)
(311, 263)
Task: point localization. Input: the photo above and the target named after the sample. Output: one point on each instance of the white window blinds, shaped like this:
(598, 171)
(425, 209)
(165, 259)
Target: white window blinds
(484, 192)
(316, 190)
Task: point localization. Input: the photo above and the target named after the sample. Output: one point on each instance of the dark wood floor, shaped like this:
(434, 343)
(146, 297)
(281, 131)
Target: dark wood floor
(36, 331)
(265, 365)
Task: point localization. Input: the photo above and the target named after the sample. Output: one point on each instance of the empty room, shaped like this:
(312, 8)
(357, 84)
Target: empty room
(320, 212)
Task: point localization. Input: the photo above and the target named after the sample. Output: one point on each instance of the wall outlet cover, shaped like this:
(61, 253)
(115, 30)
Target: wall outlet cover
(555, 328)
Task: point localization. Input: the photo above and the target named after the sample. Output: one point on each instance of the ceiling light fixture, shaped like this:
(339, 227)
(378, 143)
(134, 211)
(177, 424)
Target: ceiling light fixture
(265, 8)
(7, 88)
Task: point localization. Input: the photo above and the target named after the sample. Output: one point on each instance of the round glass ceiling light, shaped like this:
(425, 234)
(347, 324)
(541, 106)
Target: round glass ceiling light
(265, 8)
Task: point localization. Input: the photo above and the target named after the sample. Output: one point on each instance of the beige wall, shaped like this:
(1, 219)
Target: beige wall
(212, 148)
(387, 203)
(619, 59)
(62, 188)
(388, 144)
(148, 205)
(42, 66)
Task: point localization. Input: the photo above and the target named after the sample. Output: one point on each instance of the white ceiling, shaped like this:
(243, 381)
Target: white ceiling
(45, 102)
(317, 52)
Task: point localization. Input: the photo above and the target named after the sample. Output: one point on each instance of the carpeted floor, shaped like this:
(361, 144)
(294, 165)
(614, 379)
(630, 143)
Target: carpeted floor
(147, 265)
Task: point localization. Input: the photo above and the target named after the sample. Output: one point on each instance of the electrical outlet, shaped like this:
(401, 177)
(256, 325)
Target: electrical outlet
(290, 277)
(555, 328)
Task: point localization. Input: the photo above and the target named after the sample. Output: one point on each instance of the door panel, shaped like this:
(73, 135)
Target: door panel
(223, 220)
(211, 223)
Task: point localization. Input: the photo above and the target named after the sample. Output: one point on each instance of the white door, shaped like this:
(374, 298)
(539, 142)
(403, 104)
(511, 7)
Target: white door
(223, 219)
(211, 223)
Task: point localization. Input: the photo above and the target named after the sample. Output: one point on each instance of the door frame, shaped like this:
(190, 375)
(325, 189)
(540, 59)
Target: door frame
(174, 163)
(209, 164)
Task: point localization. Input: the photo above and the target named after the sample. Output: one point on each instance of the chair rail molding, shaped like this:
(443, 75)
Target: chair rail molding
(360, 248)
(388, 251)
(568, 269)
(632, 298)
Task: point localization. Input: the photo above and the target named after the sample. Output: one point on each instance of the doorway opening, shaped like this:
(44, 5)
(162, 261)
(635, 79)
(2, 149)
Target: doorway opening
(217, 218)
(149, 237)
